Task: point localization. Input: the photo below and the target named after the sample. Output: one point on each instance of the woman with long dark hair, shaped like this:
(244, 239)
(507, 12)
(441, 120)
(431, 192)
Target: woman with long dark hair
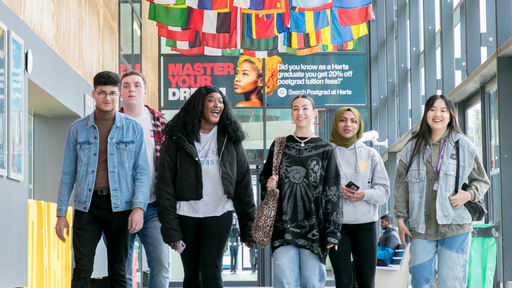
(309, 212)
(439, 224)
(203, 175)
(365, 186)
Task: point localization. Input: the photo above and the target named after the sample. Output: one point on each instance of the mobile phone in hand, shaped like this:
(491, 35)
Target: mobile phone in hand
(352, 185)
(180, 247)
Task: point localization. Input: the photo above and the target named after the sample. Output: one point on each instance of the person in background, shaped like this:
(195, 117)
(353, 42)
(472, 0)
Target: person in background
(106, 164)
(438, 223)
(203, 175)
(388, 241)
(133, 92)
(364, 186)
(309, 212)
(233, 247)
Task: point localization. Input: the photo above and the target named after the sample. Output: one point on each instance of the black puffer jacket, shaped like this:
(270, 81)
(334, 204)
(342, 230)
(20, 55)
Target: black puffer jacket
(180, 179)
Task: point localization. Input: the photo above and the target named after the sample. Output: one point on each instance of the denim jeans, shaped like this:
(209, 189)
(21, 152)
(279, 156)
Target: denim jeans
(157, 252)
(447, 258)
(297, 267)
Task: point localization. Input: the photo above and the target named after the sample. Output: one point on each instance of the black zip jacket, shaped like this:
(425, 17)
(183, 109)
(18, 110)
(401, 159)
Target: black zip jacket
(179, 178)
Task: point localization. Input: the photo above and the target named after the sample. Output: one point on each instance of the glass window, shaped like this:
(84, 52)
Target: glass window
(474, 125)
(493, 162)
(130, 35)
(30, 144)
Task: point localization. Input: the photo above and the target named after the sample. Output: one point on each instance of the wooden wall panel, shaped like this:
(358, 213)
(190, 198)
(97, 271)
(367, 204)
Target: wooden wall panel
(150, 56)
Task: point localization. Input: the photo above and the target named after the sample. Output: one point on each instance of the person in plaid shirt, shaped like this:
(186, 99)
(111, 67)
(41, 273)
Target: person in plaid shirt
(133, 92)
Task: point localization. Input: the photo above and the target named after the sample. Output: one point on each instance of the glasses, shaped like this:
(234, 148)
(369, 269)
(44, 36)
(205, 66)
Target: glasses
(111, 95)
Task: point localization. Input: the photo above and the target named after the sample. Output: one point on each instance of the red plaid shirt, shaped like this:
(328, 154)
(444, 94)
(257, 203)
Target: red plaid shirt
(158, 120)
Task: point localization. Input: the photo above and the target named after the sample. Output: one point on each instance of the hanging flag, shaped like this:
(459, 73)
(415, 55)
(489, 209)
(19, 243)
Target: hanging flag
(221, 40)
(310, 5)
(308, 21)
(176, 33)
(168, 15)
(339, 34)
(212, 21)
(210, 4)
(263, 44)
(328, 48)
(168, 2)
(351, 4)
(264, 25)
(195, 43)
(308, 40)
(261, 54)
(350, 45)
(221, 52)
(359, 30)
(302, 51)
(349, 17)
(264, 6)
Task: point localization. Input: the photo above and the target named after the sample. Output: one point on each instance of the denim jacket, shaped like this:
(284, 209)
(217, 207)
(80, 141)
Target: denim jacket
(416, 179)
(128, 166)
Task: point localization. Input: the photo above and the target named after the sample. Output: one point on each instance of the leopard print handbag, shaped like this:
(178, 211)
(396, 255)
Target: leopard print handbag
(264, 222)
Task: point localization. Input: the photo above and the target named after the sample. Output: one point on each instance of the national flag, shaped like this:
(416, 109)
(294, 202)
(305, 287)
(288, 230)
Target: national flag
(359, 30)
(308, 40)
(349, 17)
(308, 21)
(328, 48)
(212, 21)
(339, 34)
(263, 44)
(303, 51)
(168, 2)
(168, 15)
(350, 45)
(261, 54)
(310, 5)
(210, 4)
(221, 52)
(195, 43)
(221, 40)
(176, 33)
(351, 4)
(264, 25)
(265, 6)
(316, 8)
(191, 51)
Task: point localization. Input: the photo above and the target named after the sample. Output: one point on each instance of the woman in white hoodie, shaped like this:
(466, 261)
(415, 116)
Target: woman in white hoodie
(364, 167)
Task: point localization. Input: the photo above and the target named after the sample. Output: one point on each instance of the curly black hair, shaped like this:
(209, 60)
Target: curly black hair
(187, 121)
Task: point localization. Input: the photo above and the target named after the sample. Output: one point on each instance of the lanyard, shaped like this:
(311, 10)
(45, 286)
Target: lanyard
(440, 157)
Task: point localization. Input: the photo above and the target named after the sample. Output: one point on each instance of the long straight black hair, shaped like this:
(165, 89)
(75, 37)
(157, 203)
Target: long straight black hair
(423, 135)
(187, 122)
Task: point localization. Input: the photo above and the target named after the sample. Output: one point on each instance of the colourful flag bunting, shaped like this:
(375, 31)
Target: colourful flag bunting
(168, 15)
(175, 33)
(350, 45)
(308, 21)
(261, 54)
(210, 4)
(221, 40)
(316, 8)
(349, 17)
(263, 44)
(311, 4)
(339, 34)
(264, 6)
(221, 52)
(359, 30)
(303, 51)
(264, 25)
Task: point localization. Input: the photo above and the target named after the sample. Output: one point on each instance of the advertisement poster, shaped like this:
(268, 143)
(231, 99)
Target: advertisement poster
(3, 100)
(16, 107)
(330, 79)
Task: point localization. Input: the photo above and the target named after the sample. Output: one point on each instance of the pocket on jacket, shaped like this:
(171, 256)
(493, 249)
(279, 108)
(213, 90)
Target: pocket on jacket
(125, 151)
(416, 181)
(83, 149)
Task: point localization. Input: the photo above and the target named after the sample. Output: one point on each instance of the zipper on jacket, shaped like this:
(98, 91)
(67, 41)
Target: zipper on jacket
(220, 167)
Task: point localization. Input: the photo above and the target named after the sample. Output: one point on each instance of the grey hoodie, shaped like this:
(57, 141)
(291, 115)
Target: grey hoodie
(363, 166)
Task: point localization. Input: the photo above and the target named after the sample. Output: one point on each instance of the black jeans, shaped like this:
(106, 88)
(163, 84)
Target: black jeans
(87, 231)
(360, 240)
(202, 258)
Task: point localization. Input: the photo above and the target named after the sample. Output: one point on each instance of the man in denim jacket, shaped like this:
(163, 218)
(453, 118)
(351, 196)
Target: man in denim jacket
(106, 163)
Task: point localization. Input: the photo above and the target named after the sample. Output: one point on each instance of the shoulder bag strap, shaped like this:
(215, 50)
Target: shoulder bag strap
(457, 173)
(278, 152)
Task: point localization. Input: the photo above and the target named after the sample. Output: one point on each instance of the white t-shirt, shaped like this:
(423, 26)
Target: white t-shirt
(149, 139)
(214, 202)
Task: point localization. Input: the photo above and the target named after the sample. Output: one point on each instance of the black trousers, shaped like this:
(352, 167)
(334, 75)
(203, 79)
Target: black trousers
(202, 258)
(87, 230)
(360, 240)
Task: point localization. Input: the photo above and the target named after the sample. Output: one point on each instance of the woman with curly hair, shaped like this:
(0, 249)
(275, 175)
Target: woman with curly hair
(249, 79)
(203, 175)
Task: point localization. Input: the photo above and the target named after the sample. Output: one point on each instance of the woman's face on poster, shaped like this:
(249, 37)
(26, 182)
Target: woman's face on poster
(246, 78)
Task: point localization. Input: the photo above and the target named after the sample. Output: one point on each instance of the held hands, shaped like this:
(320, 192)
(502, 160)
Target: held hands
(460, 198)
(62, 224)
(403, 231)
(272, 181)
(136, 220)
(350, 194)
